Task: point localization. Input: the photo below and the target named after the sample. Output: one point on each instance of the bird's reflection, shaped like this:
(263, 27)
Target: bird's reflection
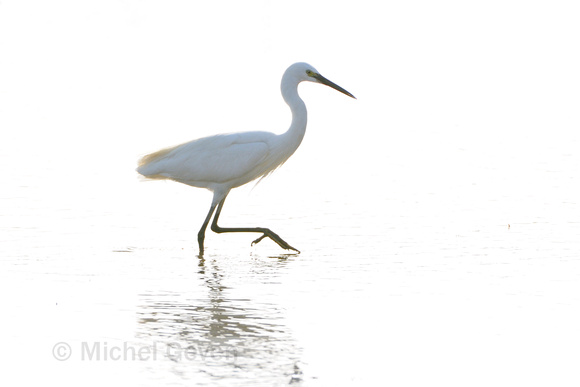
(221, 335)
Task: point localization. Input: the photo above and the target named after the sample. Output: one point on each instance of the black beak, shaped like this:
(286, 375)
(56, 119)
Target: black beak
(326, 82)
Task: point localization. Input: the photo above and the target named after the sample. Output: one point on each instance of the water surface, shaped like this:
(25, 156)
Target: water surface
(460, 271)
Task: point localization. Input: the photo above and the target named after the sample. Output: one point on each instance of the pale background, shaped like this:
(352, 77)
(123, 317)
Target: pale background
(438, 214)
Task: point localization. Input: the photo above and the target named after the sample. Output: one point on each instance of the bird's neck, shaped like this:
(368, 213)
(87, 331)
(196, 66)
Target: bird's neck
(295, 133)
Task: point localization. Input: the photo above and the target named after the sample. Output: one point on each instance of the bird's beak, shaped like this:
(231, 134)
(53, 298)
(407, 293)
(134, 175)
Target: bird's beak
(326, 82)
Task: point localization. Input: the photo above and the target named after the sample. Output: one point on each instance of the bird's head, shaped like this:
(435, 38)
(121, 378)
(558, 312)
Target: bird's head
(305, 72)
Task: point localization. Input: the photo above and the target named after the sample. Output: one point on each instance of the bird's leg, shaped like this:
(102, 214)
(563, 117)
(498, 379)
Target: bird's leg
(267, 232)
(201, 233)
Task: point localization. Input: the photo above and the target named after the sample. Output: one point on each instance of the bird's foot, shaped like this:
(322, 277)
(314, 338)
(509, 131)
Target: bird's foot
(259, 239)
(281, 242)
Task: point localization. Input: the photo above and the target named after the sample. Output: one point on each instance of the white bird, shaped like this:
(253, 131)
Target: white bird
(225, 161)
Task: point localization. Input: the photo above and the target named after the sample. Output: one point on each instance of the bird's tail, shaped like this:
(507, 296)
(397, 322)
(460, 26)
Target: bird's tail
(149, 165)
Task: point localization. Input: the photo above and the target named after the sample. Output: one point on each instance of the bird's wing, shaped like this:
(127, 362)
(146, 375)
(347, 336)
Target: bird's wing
(216, 159)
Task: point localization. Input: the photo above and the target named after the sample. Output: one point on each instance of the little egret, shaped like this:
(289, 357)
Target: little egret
(225, 161)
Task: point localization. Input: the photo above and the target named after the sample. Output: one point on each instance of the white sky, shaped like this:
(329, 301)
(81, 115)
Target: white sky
(485, 93)
(96, 84)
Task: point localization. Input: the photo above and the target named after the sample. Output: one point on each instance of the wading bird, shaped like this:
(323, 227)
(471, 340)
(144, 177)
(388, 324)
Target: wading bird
(225, 161)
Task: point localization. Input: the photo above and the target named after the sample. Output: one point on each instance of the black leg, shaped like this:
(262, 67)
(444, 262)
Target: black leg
(201, 233)
(267, 232)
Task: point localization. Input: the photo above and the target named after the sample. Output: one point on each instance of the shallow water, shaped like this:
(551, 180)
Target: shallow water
(438, 215)
(455, 284)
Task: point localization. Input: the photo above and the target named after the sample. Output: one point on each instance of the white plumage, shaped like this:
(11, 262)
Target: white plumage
(225, 161)
(228, 160)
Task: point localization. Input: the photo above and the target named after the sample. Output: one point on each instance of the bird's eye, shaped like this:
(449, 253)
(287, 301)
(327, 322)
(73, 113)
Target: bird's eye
(310, 73)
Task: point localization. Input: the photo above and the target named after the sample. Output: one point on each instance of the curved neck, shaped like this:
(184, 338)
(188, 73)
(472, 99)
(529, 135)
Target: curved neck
(298, 109)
